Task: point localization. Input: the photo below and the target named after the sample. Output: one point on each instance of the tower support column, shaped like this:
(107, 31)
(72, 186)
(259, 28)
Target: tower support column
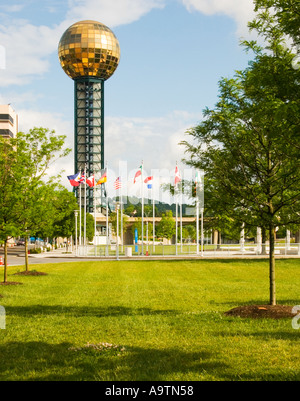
(89, 131)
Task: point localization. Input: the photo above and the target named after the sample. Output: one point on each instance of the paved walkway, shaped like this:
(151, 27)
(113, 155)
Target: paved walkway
(222, 254)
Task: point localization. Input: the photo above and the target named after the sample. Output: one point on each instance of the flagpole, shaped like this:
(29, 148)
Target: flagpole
(197, 225)
(202, 231)
(84, 242)
(117, 245)
(153, 250)
(106, 216)
(80, 206)
(176, 231)
(176, 214)
(121, 204)
(142, 172)
(95, 224)
(181, 221)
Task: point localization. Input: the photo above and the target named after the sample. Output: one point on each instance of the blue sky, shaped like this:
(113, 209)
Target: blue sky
(173, 53)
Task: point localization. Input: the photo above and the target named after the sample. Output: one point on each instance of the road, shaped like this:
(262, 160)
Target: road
(16, 257)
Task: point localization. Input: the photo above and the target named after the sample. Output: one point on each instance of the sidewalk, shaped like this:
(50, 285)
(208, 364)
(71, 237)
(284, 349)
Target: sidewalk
(61, 253)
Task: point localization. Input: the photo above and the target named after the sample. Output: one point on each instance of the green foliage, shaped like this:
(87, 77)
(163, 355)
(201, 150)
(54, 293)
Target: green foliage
(25, 196)
(35, 251)
(276, 18)
(248, 145)
(251, 145)
(188, 232)
(166, 227)
(113, 219)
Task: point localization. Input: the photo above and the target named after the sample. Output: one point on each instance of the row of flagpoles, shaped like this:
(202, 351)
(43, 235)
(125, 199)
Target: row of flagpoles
(77, 179)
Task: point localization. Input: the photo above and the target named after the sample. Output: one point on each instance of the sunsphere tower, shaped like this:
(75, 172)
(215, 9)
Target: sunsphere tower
(89, 53)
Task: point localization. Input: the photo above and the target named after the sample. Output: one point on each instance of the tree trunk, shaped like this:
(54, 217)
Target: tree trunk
(26, 255)
(297, 237)
(219, 241)
(263, 240)
(272, 265)
(5, 261)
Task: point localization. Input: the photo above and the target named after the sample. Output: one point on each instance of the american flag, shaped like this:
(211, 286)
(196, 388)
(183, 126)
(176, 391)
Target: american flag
(117, 183)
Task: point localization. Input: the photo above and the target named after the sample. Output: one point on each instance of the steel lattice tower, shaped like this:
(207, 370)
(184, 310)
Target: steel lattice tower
(89, 53)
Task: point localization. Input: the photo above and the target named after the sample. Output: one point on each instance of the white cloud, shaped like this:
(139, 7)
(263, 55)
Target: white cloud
(111, 13)
(12, 8)
(27, 47)
(242, 11)
(153, 140)
(29, 119)
(27, 50)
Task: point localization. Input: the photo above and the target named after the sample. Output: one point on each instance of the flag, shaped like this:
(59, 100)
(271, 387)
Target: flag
(91, 181)
(177, 176)
(103, 179)
(146, 181)
(137, 174)
(82, 177)
(117, 183)
(75, 180)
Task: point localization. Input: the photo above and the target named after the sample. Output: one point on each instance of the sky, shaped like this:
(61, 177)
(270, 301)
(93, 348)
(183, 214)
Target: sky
(173, 54)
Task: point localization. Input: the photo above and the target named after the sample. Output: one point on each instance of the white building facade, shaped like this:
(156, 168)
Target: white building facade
(8, 121)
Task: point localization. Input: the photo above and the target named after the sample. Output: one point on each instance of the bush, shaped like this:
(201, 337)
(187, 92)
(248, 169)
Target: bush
(34, 251)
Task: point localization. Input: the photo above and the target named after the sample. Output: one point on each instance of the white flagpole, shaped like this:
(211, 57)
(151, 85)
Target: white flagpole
(181, 222)
(202, 231)
(121, 204)
(84, 242)
(80, 206)
(153, 250)
(106, 215)
(176, 213)
(95, 224)
(176, 219)
(197, 225)
(142, 208)
(117, 245)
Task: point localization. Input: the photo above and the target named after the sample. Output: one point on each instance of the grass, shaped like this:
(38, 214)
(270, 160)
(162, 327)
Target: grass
(148, 320)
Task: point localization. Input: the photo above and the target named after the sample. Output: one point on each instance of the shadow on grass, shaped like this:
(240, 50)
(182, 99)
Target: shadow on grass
(43, 361)
(291, 302)
(85, 311)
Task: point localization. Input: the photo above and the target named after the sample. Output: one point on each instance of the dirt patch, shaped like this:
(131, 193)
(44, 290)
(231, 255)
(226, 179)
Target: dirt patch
(262, 311)
(30, 273)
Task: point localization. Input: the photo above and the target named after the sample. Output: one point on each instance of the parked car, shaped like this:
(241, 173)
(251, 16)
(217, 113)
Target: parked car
(21, 242)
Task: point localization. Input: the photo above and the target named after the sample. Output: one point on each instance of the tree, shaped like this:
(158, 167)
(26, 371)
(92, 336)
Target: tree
(189, 233)
(113, 220)
(166, 226)
(9, 196)
(244, 146)
(63, 205)
(137, 224)
(24, 164)
(277, 17)
(35, 152)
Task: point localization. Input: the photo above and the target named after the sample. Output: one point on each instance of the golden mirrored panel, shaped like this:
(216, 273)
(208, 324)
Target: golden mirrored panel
(89, 49)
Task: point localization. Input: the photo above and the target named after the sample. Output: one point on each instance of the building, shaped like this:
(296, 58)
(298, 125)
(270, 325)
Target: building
(8, 121)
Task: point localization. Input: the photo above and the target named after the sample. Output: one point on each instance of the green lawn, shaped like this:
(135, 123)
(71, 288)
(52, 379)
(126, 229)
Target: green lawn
(165, 321)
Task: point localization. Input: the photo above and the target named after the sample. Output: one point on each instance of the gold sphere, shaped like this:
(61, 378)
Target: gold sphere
(89, 49)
